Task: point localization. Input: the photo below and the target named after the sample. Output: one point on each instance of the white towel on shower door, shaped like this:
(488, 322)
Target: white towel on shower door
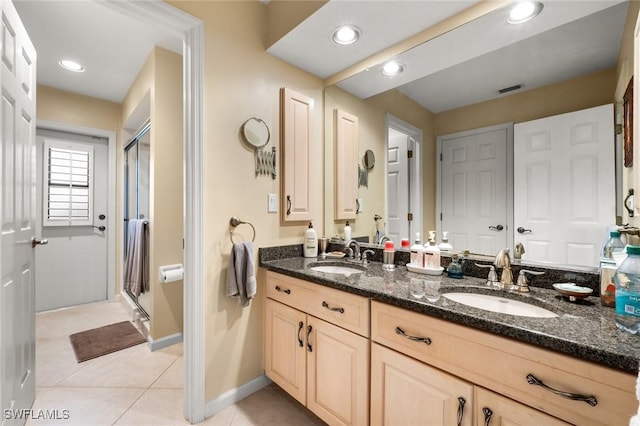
(241, 280)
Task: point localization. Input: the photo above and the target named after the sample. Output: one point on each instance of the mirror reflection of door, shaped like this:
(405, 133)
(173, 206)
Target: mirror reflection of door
(474, 189)
(404, 181)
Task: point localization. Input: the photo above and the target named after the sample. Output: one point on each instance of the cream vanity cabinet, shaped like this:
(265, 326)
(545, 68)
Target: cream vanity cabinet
(317, 348)
(443, 361)
(296, 118)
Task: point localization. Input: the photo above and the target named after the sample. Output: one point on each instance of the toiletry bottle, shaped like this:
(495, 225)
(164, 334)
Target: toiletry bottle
(444, 245)
(613, 245)
(347, 232)
(310, 246)
(405, 243)
(388, 256)
(432, 256)
(627, 281)
(417, 256)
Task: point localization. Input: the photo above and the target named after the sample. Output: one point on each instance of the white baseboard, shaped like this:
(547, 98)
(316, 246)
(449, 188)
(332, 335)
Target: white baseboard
(234, 395)
(154, 345)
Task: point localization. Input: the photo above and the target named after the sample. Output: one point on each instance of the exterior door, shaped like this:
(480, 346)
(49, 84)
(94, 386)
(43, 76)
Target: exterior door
(17, 217)
(564, 194)
(474, 189)
(72, 268)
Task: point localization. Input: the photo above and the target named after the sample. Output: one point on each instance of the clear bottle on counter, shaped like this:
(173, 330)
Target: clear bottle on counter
(613, 245)
(388, 255)
(627, 282)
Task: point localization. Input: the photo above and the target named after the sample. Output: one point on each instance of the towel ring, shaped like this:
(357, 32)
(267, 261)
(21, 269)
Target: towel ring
(235, 222)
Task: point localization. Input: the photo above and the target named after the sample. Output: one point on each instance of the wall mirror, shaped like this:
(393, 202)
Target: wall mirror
(555, 59)
(255, 132)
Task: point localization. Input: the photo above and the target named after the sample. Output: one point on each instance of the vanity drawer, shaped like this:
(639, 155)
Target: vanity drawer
(502, 364)
(343, 309)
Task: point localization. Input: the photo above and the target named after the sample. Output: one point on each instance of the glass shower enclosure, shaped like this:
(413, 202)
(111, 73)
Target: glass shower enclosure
(137, 204)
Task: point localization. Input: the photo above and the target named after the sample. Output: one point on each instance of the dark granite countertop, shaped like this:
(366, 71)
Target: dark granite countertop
(584, 330)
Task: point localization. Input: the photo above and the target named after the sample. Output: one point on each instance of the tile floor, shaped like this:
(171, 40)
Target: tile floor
(134, 386)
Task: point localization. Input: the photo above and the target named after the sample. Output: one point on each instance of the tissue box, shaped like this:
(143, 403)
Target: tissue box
(607, 288)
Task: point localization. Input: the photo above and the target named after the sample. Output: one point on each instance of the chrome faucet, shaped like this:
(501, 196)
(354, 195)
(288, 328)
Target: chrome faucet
(383, 239)
(504, 261)
(356, 252)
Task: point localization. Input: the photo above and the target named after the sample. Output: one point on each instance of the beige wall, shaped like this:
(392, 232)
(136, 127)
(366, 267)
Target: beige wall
(571, 95)
(241, 81)
(69, 108)
(159, 83)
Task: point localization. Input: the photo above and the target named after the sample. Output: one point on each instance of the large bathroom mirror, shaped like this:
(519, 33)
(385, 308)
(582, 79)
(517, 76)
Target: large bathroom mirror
(560, 68)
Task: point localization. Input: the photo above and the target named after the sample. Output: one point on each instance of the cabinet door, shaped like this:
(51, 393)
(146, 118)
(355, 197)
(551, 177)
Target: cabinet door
(346, 172)
(493, 410)
(285, 351)
(407, 392)
(296, 132)
(337, 374)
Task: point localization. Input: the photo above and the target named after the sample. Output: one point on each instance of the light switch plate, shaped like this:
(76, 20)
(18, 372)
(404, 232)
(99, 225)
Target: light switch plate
(360, 205)
(273, 203)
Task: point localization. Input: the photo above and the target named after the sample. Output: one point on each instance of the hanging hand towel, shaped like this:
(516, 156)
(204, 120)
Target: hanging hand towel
(241, 281)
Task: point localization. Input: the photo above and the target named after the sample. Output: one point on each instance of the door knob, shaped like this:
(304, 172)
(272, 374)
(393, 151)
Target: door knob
(37, 242)
(100, 228)
(497, 228)
(521, 230)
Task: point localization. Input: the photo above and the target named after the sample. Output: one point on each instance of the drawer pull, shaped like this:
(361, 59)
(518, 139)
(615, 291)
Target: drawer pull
(589, 399)
(461, 402)
(309, 347)
(487, 415)
(300, 327)
(414, 338)
(286, 290)
(326, 305)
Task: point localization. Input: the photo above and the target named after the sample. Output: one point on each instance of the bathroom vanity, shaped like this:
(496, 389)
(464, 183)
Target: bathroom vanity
(366, 348)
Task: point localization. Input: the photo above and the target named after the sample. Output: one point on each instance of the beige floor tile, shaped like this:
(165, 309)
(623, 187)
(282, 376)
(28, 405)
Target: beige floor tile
(176, 349)
(86, 406)
(157, 407)
(134, 367)
(173, 377)
(272, 407)
(222, 418)
(55, 361)
(63, 322)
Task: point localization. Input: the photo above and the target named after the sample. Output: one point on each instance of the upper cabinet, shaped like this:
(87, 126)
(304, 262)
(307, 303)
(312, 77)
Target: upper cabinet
(296, 113)
(346, 165)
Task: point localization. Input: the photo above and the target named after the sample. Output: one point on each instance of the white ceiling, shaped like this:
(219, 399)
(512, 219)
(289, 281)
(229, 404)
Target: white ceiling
(466, 65)
(111, 46)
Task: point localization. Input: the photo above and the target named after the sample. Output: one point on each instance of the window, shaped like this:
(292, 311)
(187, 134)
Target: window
(68, 184)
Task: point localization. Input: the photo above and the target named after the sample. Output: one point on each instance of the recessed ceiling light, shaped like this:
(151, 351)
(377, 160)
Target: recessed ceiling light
(346, 34)
(392, 68)
(524, 11)
(71, 65)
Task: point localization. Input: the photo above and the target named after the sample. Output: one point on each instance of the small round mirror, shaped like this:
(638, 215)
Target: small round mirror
(369, 159)
(255, 132)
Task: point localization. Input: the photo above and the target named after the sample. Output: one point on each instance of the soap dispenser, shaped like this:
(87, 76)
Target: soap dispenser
(347, 232)
(432, 256)
(444, 245)
(310, 246)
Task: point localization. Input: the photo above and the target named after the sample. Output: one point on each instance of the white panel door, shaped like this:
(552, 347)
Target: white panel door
(72, 268)
(474, 183)
(564, 195)
(397, 187)
(17, 217)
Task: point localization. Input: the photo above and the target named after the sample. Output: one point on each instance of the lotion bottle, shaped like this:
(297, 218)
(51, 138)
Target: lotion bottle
(417, 254)
(310, 246)
(432, 256)
(444, 245)
(347, 232)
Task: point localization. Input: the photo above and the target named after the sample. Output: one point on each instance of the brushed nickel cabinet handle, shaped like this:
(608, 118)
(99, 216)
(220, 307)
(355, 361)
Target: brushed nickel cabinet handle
(300, 327)
(326, 305)
(280, 289)
(288, 205)
(461, 402)
(425, 340)
(589, 399)
(487, 415)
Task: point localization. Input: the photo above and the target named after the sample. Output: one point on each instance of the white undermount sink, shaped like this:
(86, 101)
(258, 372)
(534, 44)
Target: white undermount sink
(500, 305)
(335, 269)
